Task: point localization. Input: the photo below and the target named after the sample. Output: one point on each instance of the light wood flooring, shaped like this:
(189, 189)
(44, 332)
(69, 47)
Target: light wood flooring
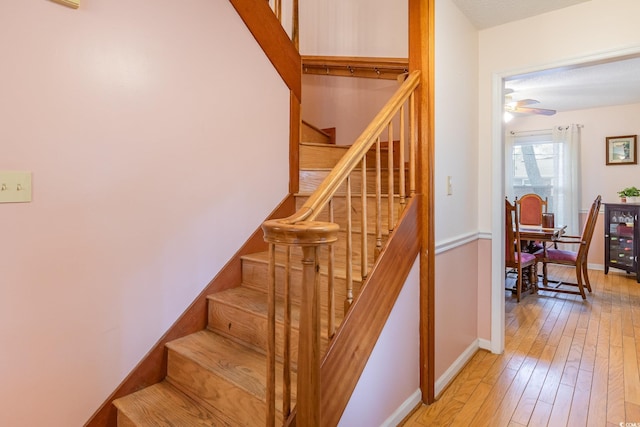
(567, 362)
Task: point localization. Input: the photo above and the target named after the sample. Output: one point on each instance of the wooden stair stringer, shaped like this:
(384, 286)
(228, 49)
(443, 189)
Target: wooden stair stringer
(350, 348)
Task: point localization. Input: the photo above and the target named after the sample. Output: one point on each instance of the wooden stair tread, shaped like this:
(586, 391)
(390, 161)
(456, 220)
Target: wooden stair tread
(226, 358)
(163, 405)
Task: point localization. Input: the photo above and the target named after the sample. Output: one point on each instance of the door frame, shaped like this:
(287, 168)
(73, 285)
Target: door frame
(498, 181)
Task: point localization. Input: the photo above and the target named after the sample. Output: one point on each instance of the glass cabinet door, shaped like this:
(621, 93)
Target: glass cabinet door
(621, 234)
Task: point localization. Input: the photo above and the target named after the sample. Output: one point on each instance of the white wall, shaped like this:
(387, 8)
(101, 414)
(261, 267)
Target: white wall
(354, 28)
(456, 122)
(597, 29)
(131, 116)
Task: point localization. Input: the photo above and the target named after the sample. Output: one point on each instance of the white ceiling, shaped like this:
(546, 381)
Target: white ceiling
(592, 86)
(489, 13)
(568, 88)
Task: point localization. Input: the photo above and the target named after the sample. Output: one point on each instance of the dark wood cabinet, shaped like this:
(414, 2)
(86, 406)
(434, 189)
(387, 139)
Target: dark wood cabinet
(621, 237)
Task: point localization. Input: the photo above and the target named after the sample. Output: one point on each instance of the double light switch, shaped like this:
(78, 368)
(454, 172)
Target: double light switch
(15, 187)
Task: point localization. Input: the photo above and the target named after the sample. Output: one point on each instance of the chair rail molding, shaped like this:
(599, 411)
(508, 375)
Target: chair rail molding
(457, 241)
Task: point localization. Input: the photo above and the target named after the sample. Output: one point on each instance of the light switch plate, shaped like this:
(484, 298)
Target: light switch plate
(15, 187)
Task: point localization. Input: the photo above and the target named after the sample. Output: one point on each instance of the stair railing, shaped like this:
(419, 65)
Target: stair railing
(293, 31)
(305, 230)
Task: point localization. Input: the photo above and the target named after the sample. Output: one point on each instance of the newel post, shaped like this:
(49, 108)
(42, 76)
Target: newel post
(310, 235)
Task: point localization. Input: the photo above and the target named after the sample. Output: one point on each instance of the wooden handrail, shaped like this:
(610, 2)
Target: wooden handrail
(303, 229)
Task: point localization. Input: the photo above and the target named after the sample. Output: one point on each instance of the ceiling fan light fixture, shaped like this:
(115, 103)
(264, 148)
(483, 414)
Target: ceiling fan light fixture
(507, 117)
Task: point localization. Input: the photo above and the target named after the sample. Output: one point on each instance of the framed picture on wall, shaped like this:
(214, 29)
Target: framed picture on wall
(621, 150)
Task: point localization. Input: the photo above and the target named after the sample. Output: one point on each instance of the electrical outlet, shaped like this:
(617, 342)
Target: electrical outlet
(15, 187)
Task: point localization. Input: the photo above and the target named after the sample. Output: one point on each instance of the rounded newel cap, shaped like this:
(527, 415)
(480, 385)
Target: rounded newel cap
(304, 233)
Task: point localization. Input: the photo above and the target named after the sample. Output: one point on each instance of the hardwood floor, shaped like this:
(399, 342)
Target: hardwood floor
(567, 362)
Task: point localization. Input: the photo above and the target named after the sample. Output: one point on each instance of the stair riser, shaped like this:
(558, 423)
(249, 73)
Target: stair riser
(340, 251)
(311, 134)
(124, 421)
(340, 216)
(219, 392)
(248, 327)
(317, 156)
(254, 274)
(311, 179)
(327, 156)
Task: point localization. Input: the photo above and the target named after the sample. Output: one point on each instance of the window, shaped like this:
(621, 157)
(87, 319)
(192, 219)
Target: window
(546, 163)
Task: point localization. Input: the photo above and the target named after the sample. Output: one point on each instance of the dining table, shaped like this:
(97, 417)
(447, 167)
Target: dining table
(541, 234)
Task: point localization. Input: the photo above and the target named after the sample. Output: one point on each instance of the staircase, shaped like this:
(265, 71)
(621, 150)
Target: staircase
(217, 376)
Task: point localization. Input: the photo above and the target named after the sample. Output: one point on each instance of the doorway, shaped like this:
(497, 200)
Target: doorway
(498, 175)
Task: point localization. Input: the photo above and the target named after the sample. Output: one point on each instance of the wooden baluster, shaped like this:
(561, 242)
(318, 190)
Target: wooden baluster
(271, 338)
(331, 302)
(390, 191)
(310, 235)
(349, 253)
(401, 161)
(364, 249)
(286, 350)
(378, 199)
(412, 145)
(308, 398)
(277, 8)
(295, 30)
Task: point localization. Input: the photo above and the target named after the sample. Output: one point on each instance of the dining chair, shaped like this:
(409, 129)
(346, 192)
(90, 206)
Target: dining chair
(576, 259)
(531, 207)
(514, 257)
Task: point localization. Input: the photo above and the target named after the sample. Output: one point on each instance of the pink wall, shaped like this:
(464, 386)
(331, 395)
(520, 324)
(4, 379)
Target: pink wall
(130, 116)
(392, 374)
(346, 103)
(456, 316)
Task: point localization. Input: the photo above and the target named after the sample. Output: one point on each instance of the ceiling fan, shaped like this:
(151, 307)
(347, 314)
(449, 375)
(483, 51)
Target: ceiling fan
(522, 106)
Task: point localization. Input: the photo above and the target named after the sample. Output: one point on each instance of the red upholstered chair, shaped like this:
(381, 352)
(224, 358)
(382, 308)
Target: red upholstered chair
(531, 207)
(576, 259)
(530, 210)
(514, 257)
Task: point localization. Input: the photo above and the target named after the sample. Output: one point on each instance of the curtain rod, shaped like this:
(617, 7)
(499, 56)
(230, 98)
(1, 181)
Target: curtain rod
(538, 131)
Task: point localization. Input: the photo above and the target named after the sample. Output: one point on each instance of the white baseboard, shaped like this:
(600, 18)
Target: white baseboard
(449, 375)
(484, 344)
(405, 409)
(596, 267)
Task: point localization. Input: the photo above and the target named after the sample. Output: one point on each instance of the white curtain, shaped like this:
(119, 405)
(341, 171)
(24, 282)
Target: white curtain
(568, 186)
(508, 166)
